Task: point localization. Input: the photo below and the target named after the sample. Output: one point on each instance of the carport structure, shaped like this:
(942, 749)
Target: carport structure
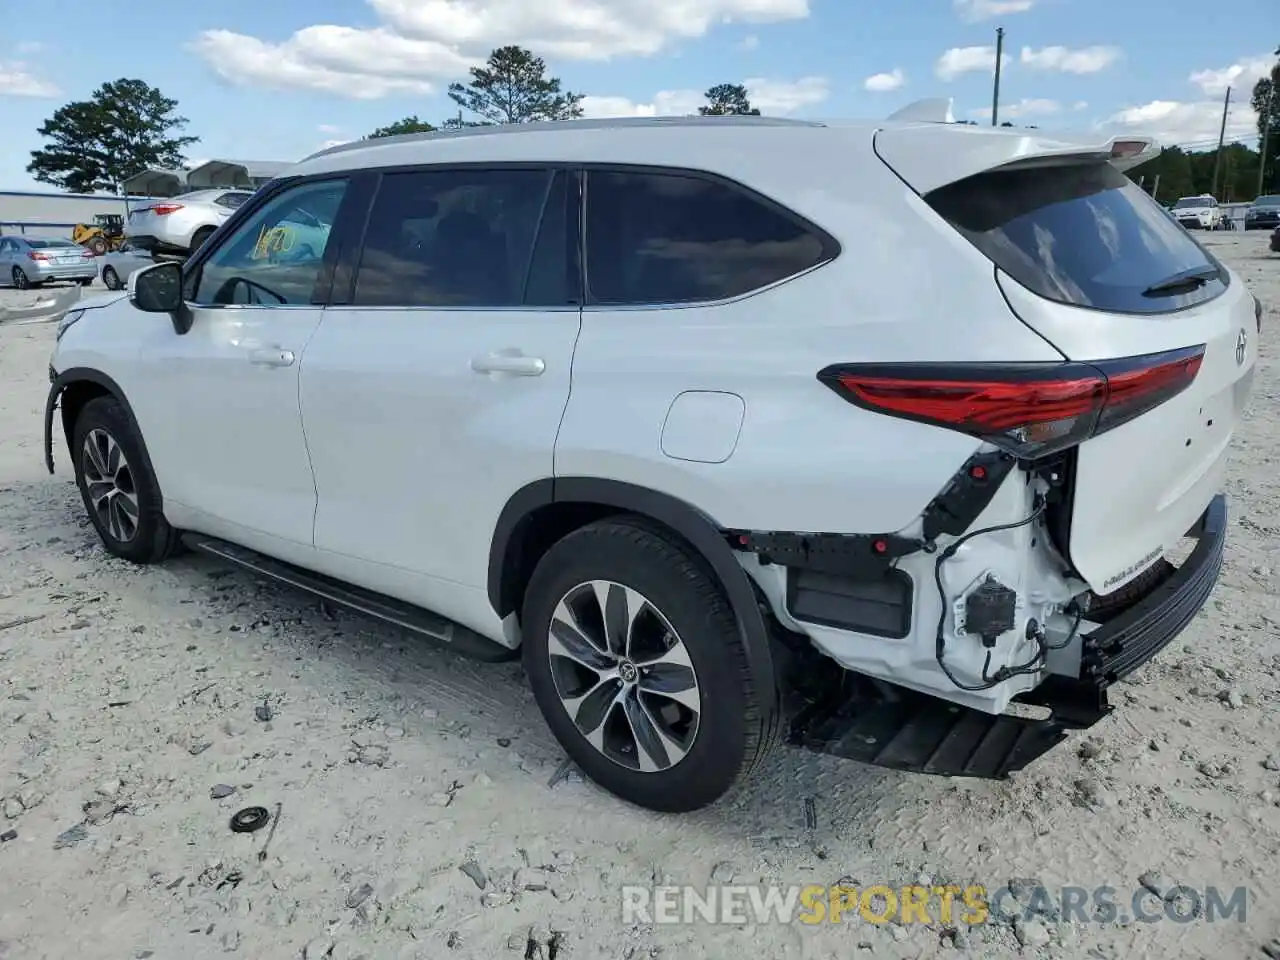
(155, 182)
(229, 174)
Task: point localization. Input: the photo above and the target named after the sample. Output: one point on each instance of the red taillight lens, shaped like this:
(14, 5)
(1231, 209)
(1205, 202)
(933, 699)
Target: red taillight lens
(87, 255)
(1030, 410)
(164, 209)
(37, 256)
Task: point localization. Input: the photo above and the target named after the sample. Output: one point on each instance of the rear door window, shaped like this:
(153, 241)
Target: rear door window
(674, 237)
(1082, 234)
(465, 238)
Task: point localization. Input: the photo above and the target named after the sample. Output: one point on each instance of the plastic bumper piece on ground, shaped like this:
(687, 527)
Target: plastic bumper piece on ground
(888, 726)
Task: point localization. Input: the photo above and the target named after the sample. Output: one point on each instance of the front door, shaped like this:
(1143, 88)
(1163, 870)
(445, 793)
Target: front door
(434, 392)
(221, 416)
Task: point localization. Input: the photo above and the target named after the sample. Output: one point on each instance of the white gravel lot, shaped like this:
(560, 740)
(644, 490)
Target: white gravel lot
(127, 695)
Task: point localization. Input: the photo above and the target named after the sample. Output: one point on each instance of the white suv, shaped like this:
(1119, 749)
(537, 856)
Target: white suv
(1200, 212)
(872, 436)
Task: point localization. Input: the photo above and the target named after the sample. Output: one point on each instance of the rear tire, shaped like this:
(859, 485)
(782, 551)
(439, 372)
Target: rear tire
(119, 490)
(672, 630)
(199, 237)
(111, 279)
(20, 279)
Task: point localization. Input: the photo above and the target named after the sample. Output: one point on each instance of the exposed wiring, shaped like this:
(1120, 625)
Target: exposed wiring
(1071, 635)
(1004, 673)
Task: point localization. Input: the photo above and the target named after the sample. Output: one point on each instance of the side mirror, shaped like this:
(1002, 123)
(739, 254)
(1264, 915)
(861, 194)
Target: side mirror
(158, 289)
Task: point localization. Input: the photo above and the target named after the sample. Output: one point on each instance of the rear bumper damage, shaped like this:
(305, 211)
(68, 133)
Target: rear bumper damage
(874, 722)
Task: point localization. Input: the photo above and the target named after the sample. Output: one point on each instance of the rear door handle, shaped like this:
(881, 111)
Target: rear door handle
(272, 357)
(514, 364)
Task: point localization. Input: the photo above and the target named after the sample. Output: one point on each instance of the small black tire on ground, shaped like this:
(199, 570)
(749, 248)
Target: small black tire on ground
(733, 733)
(149, 538)
(199, 237)
(111, 279)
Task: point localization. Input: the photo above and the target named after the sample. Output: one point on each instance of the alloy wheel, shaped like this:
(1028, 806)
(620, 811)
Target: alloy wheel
(109, 483)
(20, 279)
(624, 676)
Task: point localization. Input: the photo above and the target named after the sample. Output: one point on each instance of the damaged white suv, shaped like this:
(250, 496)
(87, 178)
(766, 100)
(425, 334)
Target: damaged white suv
(872, 437)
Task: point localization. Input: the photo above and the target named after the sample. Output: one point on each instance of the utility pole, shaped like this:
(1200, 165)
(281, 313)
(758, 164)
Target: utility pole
(995, 93)
(1222, 135)
(1155, 187)
(1262, 144)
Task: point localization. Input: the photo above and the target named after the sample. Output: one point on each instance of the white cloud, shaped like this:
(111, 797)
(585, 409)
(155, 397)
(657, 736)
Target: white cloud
(328, 128)
(885, 82)
(358, 64)
(1242, 75)
(422, 44)
(975, 11)
(1185, 124)
(29, 47)
(781, 96)
(961, 60)
(772, 97)
(1085, 60)
(749, 42)
(17, 80)
(1080, 105)
(576, 29)
(1022, 109)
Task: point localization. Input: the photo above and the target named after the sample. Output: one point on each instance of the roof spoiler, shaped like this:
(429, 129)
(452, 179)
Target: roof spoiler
(931, 110)
(1128, 152)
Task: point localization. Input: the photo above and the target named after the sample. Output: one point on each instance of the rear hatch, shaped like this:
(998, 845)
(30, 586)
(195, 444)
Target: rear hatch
(1092, 264)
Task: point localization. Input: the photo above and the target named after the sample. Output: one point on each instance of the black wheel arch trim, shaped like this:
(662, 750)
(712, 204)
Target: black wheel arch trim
(688, 521)
(73, 375)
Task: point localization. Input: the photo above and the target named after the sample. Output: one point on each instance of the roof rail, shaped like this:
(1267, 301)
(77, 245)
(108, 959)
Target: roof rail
(541, 126)
(930, 110)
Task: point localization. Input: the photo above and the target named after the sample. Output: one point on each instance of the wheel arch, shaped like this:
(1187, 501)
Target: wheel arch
(69, 391)
(542, 512)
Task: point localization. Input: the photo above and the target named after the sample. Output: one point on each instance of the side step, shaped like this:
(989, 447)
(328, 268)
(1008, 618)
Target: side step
(889, 726)
(421, 622)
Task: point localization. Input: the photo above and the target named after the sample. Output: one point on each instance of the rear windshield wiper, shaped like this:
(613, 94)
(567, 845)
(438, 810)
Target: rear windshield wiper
(1183, 282)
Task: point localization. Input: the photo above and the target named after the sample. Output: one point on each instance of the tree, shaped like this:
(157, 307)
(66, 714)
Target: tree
(513, 87)
(1266, 97)
(125, 127)
(405, 125)
(728, 99)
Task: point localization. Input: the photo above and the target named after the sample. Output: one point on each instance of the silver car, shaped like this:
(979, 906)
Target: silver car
(179, 225)
(27, 262)
(115, 267)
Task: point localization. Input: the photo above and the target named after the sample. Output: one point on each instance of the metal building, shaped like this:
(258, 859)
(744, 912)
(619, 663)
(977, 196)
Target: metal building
(38, 214)
(48, 214)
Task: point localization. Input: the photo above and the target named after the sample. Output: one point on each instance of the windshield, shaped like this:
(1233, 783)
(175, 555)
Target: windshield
(1191, 202)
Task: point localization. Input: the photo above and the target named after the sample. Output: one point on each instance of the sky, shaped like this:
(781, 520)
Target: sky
(262, 80)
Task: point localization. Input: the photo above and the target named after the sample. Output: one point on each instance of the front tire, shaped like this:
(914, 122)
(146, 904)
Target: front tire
(119, 490)
(637, 664)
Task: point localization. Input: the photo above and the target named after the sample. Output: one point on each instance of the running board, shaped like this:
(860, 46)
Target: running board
(889, 726)
(423, 623)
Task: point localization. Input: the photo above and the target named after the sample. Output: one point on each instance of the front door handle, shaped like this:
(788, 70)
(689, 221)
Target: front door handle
(272, 357)
(515, 364)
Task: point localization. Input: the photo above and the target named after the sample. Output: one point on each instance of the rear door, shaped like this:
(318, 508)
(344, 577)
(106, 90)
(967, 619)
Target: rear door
(1087, 260)
(435, 385)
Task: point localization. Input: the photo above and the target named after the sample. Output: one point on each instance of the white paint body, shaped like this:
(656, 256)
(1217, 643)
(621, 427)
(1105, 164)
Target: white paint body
(383, 456)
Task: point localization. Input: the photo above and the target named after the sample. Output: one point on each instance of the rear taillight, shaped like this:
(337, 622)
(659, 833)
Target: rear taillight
(37, 256)
(1030, 410)
(87, 255)
(164, 209)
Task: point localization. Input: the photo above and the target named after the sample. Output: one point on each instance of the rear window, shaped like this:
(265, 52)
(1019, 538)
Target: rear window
(232, 200)
(44, 244)
(1082, 234)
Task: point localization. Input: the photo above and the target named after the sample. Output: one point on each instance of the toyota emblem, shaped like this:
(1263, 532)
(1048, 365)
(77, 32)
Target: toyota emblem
(1242, 347)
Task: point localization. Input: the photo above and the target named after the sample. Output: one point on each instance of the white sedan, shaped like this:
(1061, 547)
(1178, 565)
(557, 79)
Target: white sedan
(114, 268)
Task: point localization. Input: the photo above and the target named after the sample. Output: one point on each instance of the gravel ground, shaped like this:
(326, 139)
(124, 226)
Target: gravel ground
(421, 817)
